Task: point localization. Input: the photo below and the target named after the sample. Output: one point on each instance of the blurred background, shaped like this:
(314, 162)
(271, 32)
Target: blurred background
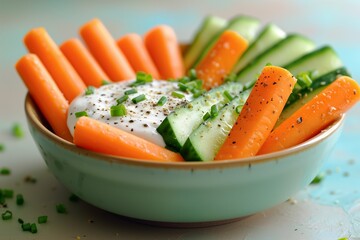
(317, 213)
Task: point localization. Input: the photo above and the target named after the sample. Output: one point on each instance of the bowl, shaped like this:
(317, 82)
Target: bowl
(181, 194)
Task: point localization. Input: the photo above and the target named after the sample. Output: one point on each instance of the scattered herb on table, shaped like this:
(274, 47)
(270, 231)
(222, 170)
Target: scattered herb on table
(7, 215)
(17, 130)
(42, 219)
(73, 198)
(19, 200)
(317, 179)
(60, 208)
(2, 147)
(5, 171)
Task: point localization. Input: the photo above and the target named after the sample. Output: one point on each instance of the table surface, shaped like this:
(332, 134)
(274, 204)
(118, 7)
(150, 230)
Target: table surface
(329, 210)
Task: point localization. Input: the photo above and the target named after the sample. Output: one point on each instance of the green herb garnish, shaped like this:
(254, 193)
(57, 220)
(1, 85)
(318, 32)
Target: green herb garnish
(17, 130)
(317, 179)
(7, 215)
(2, 147)
(81, 114)
(214, 111)
(228, 95)
(26, 226)
(161, 101)
(42, 219)
(7, 193)
(238, 109)
(138, 99)
(19, 200)
(5, 171)
(33, 228)
(192, 74)
(73, 198)
(105, 82)
(177, 95)
(118, 110)
(89, 90)
(122, 99)
(206, 116)
(60, 208)
(141, 79)
(130, 91)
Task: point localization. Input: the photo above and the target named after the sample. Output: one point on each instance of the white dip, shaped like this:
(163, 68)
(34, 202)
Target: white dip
(142, 118)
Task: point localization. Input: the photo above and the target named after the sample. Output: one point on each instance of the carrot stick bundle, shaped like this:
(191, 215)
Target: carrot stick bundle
(45, 93)
(134, 49)
(66, 78)
(103, 138)
(259, 114)
(103, 47)
(221, 58)
(83, 62)
(164, 50)
(314, 116)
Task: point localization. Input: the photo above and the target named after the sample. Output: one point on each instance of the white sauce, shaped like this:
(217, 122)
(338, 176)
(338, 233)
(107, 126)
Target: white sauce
(141, 119)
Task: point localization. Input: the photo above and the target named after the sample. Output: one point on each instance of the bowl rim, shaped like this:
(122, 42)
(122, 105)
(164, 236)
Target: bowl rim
(35, 118)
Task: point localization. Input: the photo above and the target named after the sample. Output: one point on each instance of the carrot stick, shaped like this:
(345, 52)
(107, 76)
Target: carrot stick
(259, 114)
(103, 47)
(164, 49)
(45, 93)
(314, 116)
(66, 78)
(101, 137)
(220, 60)
(134, 49)
(83, 62)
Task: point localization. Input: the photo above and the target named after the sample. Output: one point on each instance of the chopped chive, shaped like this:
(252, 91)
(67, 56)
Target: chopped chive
(130, 91)
(177, 95)
(303, 80)
(89, 90)
(182, 87)
(26, 226)
(161, 101)
(238, 109)
(17, 130)
(206, 116)
(19, 200)
(20, 221)
(184, 80)
(73, 198)
(81, 114)
(214, 111)
(343, 238)
(118, 110)
(60, 208)
(138, 99)
(104, 82)
(228, 95)
(122, 99)
(143, 77)
(268, 64)
(33, 228)
(197, 93)
(230, 78)
(317, 179)
(2, 147)
(192, 74)
(42, 219)
(7, 215)
(5, 171)
(7, 193)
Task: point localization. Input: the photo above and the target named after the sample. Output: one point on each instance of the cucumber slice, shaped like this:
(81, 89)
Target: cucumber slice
(270, 35)
(317, 63)
(206, 140)
(280, 54)
(179, 124)
(297, 100)
(246, 26)
(210, 26)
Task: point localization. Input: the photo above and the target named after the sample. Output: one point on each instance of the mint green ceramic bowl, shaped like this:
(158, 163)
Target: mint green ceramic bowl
(187, 193)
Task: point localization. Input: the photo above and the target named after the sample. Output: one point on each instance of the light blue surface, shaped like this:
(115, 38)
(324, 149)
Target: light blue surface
(332, 206)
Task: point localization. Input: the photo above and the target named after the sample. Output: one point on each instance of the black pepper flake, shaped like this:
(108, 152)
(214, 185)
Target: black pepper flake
(132, 129)
(274, 83)
(299, 120)
(234, 142)
(131, 121)
(145, 125)
(116, 123)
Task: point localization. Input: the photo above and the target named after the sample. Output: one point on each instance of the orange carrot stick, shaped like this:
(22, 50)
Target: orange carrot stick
(164, 49)
(101, 137)
(66, 78)
(259, 114)
(103, 47)
(134, 49)
(221, 58)
(45, 93)
(314, 116)
(83, 62)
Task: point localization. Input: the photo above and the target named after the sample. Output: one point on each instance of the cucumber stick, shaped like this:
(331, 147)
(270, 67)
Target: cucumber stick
(179, 124)
(280, 54)
(206, 140)
(209, 28)
(246, 26)
(270, 35)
